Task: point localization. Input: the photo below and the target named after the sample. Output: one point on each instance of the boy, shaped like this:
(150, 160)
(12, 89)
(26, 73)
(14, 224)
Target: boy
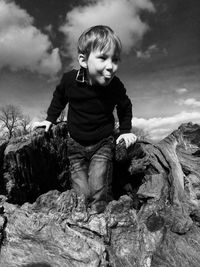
(92, 93)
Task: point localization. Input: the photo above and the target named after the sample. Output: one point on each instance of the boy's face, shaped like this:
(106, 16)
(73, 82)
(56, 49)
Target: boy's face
(101, 66)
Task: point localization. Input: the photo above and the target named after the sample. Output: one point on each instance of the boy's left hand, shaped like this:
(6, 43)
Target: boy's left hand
(129, 139)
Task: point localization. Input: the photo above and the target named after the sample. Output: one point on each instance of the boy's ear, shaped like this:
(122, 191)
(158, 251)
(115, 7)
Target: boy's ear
(82, 60)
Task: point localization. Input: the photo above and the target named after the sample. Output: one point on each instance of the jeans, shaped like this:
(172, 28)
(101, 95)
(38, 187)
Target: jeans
(91, 171)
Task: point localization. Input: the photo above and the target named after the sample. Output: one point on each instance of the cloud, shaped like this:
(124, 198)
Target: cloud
(123, 16)
(147, 53)
(152, 50)
(23, 46)
(159, 127)
(181, 90)
(189, 102)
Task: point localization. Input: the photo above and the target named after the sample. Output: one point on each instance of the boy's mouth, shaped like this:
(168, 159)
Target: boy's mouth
(108, 75)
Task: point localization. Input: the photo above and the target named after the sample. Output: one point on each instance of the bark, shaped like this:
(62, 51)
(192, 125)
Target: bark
(153, 221)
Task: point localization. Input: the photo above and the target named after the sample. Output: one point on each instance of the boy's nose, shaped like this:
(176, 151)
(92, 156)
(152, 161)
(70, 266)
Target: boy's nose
(109, 65)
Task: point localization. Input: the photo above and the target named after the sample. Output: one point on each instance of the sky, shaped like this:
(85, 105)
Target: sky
(160, 63)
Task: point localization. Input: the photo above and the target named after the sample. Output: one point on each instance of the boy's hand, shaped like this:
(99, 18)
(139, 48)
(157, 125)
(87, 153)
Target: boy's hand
(43, 124)
(128, 138)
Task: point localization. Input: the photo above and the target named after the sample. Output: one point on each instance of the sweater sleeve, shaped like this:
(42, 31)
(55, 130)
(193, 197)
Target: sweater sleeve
(58, 102)
(124, 109)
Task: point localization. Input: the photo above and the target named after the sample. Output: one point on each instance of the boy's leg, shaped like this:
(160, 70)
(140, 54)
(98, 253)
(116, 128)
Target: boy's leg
(100, 175)
(78, 168)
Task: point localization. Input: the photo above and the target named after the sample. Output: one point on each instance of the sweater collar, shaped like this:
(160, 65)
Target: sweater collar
(82, 76)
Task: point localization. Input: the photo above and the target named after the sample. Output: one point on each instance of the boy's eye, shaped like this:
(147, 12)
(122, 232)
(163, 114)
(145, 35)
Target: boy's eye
(102, 57)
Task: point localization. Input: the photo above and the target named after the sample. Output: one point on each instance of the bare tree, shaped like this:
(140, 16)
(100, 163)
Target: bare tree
(10, 118)
(24, 124)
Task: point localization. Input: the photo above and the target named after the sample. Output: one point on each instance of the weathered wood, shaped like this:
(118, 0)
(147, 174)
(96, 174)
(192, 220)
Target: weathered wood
(155, 223)
(34, 164)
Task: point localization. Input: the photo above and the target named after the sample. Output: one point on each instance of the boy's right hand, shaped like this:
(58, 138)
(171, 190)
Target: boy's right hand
(43, 124)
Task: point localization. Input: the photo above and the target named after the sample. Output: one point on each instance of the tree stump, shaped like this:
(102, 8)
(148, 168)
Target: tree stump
(153, 221)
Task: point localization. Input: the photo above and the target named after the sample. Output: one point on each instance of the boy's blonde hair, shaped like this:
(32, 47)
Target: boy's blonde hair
(99, 37)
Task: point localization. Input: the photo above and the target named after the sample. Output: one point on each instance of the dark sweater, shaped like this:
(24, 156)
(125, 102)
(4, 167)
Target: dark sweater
(90, 112)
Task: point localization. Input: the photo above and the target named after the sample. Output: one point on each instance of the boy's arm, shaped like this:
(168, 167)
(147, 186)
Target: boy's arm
(128, 138)
(57, 104)
(124, 112)
(58, 101)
